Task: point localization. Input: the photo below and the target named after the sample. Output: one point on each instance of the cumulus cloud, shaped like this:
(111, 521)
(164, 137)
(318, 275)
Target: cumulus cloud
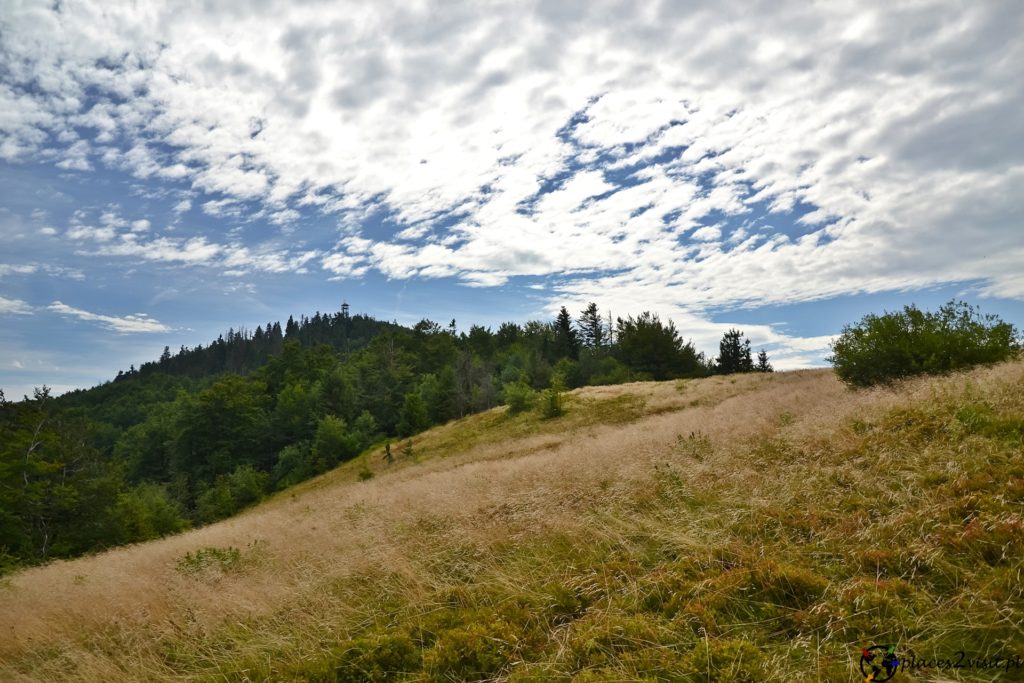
(139, 322)
(14, 307)
(665, 156)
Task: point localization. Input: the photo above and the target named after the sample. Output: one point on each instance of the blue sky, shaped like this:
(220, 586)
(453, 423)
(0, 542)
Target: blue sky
(173, 170)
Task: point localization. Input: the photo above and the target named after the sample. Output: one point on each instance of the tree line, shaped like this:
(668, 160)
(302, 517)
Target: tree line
(195, 436)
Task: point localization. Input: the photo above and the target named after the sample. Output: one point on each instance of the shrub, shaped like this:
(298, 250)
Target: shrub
(888, 347)
(551, 400)
(230, 493)
(333, 444)
(519, 397)
(247, 485)
(413, 417)
(293, 465)
(146, 512)
(365, 473)
(215, 502)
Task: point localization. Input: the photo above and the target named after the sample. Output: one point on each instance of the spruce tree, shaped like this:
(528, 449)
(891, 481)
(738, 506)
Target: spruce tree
(567, 345)
(762, 362)
(591, 328)
(734, 354)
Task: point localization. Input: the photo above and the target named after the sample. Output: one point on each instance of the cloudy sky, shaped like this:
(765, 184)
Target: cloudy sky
(172, 170)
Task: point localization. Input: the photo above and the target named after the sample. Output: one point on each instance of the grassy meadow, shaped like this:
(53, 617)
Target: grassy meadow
(755, 527)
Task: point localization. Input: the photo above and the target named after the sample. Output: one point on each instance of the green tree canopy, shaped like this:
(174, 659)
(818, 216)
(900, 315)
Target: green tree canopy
(734, 354)
(887, 347)
(648, 346)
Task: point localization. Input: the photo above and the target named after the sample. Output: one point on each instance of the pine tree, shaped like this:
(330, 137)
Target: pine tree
(591, 328)
(648, 346)
(762, 362)
(566, 343)
(276, 339)
(734, 354)
(413, 417)
(291, 328)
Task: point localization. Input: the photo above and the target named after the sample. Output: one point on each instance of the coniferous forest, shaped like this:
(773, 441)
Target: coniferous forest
(204, 432)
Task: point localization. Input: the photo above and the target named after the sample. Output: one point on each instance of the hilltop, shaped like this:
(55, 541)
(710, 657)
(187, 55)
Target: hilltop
(734, 528)
(198, 436)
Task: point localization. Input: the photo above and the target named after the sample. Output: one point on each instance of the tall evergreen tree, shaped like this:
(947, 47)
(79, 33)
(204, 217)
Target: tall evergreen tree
(276, 339)
(734, 354)
(591, 328)
(762, 362)
(291, 328)
(567, 345)
(647, 345)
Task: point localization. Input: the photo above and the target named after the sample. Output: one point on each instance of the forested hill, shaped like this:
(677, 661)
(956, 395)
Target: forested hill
(125, 401)
(197, 435)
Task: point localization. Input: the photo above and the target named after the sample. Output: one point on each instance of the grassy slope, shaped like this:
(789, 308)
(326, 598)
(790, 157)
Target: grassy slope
(729, 529)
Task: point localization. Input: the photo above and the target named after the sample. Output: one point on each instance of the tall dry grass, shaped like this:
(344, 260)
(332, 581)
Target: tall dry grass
(323, 561)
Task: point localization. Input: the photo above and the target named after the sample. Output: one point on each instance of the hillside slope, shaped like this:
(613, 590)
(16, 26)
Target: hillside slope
(748, 528)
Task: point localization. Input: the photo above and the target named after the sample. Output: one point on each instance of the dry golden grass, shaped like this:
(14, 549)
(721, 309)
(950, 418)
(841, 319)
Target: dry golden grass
(324, 561)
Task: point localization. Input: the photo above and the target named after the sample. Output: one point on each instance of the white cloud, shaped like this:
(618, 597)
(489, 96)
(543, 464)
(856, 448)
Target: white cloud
(14, 307)
(221, 207)
(7, 269)
(239, 259)
(232, 259)
(192, 251)
(141, 225)
(76, 157)
(908, 153)
(86, 232)
(17, 269)
(138, 322)
(708, 233)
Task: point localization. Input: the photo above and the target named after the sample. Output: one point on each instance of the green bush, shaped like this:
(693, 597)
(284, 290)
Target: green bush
(888, 347)
(294, 464)
(332, 444)
(247, 485)
(551, 400)
(147, 512)
(215, 502)
(365, 473)
(519, 397)
(413, 417)
(230, 493)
